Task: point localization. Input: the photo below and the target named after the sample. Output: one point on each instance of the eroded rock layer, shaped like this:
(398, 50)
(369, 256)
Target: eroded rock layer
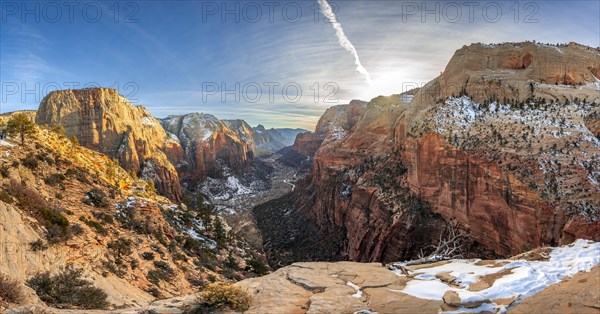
(503, 145)
(105, 121)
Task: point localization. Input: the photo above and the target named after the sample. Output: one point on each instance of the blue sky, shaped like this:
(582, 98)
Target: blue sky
(178, 56)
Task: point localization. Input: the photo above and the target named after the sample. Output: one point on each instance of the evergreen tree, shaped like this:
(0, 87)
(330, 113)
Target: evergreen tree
(20, 125)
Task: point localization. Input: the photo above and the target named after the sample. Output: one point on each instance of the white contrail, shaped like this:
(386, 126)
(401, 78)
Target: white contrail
(342, 39)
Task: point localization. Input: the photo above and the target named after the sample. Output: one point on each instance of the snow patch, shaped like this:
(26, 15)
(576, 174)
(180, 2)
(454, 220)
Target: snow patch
(358, 293)
(147, 121)
(234, 184)
(526, 278)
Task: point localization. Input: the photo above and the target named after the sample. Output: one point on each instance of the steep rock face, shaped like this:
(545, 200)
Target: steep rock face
(338, 121)
(514, 66)
(356, 187)
(307, 143)
(499, 211)
(105, 121)
(514, 173)
(201, 145)
(244, 131)
(335, 124)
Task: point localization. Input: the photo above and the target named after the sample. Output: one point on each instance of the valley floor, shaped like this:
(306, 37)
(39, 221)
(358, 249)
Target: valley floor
(234, 196)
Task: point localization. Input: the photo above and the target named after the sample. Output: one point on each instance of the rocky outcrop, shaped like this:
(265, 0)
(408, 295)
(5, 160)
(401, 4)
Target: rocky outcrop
(510, 173)
(64, 210)
(335, 124)
(514, 71)
(201, 145)
(105, 121)
(307, 143)
(333, 287)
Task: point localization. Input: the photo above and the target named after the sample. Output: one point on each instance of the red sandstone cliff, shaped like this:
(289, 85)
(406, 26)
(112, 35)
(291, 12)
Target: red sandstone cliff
(105, 121)
(201, 145)
(307, 143)
(335, 124)
(514, 173)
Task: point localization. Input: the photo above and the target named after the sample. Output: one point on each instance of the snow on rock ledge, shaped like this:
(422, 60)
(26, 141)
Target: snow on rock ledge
(478, 286)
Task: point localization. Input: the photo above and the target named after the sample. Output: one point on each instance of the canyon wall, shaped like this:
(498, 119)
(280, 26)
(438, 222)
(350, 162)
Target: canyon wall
(202, 145)
(105, 121)
(514, 166)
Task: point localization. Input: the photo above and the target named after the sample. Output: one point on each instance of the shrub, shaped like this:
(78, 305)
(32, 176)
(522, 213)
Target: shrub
(95, 197)
(30, 162)
(76, 229)
(4, 171)
(220, 296)
(38, 245)
(45, 158)
(105, 218)
(134, 263)
(258, 266)
(67, 287)
(54, 179)
(156, 275)
(162, 271)
(94, 224)
(5, 197)
(10, 289)
(74, 140)
(147, 256)
(57, 225)
(58, 129)
(178, 256)
(120, 247)
(79, 174)
(230, 262)
(114, 268)
(27, 197)
(163, 266)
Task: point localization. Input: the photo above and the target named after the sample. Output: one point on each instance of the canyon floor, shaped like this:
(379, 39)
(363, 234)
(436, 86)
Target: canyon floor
(234, 197)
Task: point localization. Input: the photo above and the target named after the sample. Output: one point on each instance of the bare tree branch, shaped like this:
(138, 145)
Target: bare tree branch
(449, 246)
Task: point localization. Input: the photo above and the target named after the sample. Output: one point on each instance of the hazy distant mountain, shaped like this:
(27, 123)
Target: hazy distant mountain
(274, 139)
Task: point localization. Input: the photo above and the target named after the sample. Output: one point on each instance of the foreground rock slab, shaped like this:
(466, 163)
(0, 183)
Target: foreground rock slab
(342, 287)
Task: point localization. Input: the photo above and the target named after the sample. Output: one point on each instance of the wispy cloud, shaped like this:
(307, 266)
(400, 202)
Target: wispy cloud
(170, 53)
(22, 56)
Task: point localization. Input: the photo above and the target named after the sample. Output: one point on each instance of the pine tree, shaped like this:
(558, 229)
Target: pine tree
(219, 232)
(20, 125)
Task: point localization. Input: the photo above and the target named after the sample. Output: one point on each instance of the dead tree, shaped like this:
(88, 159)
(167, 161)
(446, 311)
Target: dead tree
(449, 246)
